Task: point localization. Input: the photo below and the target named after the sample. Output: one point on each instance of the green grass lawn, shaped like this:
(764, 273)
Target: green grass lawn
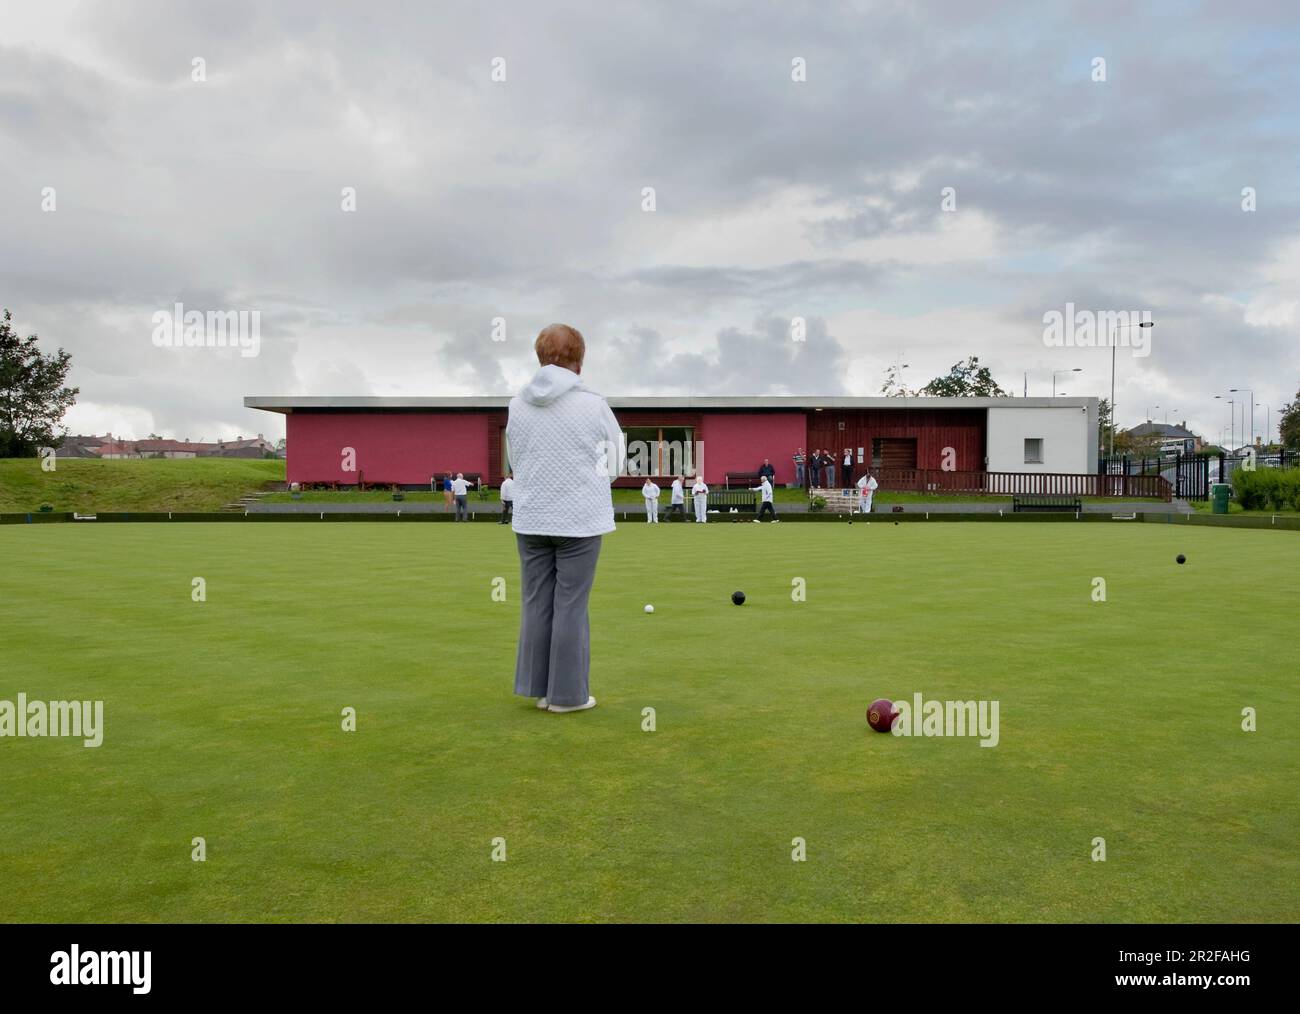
(223, 721)
(165, 484)
(1206, 507)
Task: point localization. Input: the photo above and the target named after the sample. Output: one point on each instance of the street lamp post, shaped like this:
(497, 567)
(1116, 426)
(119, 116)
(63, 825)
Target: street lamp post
(1232, 416)
(1114, 342)
(1248, 391)
(1076, 369)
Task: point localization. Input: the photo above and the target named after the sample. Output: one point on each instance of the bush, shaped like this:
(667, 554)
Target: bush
(817, 505)
(1267, 488)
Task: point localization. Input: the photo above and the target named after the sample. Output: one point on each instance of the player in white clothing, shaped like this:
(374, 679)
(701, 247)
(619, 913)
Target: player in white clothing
(700, 497)
(867, 487)
(766, 507)
(651, 493)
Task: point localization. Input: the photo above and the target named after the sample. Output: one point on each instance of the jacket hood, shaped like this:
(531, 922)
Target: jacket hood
(548, 384)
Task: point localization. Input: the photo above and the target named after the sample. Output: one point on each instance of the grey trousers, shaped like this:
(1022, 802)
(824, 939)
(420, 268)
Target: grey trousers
(462, 508)
(554, 659)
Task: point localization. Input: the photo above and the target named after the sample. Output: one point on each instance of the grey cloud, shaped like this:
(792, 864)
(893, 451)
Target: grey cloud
(520, 200)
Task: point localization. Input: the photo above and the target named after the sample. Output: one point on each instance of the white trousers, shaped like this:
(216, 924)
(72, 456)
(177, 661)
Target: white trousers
(652, 511)
(701, 506)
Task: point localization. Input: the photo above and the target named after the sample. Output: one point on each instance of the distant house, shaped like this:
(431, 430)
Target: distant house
(231, 451)
(79, 446)
(169, 448)
(258, 447)
(1173, 439)
(110, 449)
(118, 451)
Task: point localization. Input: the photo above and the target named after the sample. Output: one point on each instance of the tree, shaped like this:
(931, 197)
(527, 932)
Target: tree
(893, 386)
(1137, 445)
(1103, 426)
(1289, 425)
(965, 380)
(33, 398)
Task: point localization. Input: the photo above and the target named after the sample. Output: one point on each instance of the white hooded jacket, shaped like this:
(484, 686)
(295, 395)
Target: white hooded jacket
(565, 450)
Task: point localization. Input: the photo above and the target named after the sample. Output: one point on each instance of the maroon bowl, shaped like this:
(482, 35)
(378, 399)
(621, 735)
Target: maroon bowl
(881, 715)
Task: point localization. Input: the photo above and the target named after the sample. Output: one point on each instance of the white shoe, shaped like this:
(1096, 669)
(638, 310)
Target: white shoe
(776, 521)
(557, 710)
(755, 520)
(542, 704)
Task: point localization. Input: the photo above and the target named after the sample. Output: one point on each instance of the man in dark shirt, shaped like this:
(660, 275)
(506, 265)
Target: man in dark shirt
(766, 471)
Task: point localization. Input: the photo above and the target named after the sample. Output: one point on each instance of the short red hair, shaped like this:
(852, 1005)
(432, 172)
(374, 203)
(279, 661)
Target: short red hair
(560, 345)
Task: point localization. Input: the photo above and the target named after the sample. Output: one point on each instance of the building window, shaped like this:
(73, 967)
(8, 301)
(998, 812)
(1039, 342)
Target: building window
(1033, 450)
(660, 450)
(893, 452)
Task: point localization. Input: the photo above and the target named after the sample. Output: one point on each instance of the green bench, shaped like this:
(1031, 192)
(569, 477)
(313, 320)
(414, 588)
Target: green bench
(1022, 504)
(744, 500)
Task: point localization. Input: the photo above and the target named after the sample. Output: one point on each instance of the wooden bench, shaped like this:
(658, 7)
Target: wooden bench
(742, 480)
(1060, 504)
(744, 500)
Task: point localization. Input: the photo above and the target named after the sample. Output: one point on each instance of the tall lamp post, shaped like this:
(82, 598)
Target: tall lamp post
(1232, 416)
(1248, 391)
(1114, 342)
(1076, 369)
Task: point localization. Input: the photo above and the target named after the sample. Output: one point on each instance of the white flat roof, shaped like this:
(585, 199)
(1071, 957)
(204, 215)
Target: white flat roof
(777, 403)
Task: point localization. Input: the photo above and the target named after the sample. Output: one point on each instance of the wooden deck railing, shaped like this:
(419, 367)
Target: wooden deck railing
(929, 480)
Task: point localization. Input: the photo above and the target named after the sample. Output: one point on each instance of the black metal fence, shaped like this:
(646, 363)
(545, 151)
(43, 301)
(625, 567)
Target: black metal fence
(1191, 475)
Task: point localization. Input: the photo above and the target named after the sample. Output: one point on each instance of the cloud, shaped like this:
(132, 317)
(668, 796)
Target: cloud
(522, 199)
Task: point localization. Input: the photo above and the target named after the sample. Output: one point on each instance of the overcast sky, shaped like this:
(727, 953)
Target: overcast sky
(774, 198)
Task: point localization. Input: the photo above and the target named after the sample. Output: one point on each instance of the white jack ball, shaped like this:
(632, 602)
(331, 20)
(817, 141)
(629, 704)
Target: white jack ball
(649, 609)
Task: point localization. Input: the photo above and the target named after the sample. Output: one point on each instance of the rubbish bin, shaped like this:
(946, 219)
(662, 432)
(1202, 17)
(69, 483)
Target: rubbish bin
(1219, 493)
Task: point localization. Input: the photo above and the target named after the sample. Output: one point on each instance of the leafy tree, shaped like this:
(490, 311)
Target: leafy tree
(1103, 426)
(1137, 445)
(33, 398)
(893, 387)
(965, 380)
(1289, 425)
